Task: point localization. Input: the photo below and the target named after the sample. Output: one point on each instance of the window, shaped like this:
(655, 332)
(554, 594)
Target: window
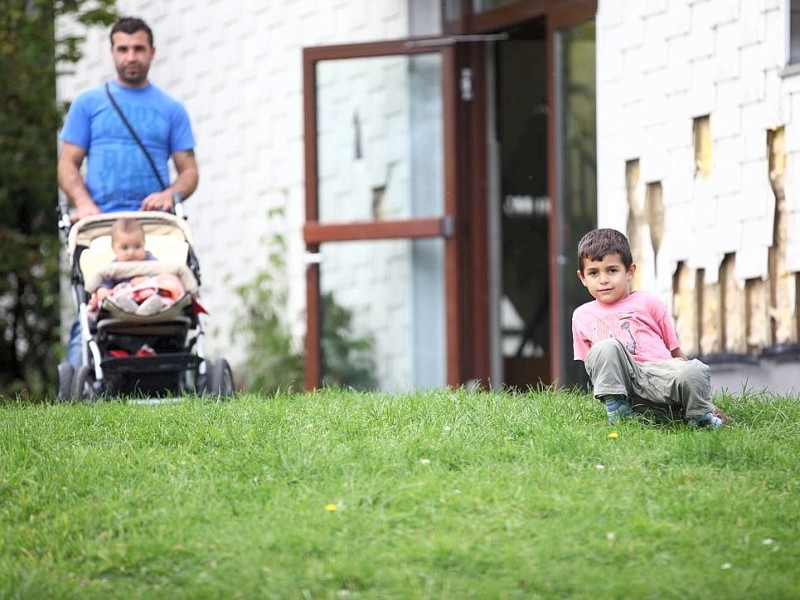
(484, 5)
(794, 32)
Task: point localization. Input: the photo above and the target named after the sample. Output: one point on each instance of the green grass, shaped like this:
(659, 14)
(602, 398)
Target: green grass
(445, 494)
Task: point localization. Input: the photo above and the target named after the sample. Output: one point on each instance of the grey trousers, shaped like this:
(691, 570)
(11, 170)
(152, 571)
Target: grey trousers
(674, 385)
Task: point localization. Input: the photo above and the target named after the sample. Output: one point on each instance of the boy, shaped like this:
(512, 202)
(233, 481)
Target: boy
(628, 343)
(140, 295)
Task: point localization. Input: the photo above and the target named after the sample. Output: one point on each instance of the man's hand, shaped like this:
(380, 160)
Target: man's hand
(86, 209)
(159, 201)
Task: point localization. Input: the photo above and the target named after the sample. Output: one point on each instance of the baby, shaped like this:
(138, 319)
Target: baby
(141, 295)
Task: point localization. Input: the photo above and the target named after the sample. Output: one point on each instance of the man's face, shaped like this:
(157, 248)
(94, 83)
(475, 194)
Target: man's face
(132, 54)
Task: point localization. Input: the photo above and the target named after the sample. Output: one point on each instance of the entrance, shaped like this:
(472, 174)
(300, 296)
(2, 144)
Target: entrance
(448, 181)
(522, 204)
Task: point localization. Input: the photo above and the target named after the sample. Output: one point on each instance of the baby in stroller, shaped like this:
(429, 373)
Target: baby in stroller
(135, 282)
(142, 295)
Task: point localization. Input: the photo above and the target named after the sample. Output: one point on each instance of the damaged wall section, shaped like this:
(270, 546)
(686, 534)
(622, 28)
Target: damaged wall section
(727, 316)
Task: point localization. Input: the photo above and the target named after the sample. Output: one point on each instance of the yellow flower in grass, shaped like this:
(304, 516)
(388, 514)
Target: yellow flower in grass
(613, 435)
(331, 507)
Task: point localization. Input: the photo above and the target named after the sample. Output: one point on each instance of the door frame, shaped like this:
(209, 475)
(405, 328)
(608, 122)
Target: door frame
(448, 226)
(558, 14)
(464, 223)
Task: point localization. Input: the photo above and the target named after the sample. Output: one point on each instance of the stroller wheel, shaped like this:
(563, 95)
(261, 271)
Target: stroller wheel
(219, 379)
(83, 384)
(65, 373)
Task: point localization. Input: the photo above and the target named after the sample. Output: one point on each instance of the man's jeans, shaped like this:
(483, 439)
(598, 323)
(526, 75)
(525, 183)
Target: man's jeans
(74, 354)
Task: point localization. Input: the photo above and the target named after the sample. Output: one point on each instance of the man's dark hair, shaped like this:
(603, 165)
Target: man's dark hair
(131, 25)
(599, 243)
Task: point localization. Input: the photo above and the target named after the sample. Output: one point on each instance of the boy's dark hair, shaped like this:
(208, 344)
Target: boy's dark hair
(599, 243)
(131, 25)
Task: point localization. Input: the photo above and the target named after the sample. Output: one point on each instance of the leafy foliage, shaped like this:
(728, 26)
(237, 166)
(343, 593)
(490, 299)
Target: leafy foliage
(273, 363)
(29, 119)
(346, 359)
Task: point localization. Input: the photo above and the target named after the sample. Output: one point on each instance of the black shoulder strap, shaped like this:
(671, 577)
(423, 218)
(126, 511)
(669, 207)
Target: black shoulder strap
(135, 137)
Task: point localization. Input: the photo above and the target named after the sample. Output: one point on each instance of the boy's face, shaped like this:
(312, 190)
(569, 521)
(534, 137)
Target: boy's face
(128, 245)
(607, 280)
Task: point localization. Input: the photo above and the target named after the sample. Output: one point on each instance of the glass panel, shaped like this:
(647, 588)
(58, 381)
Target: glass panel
(484, 5)
(577, 172)
(393, 292)
(452, 10)
(525, 210)
(379, 138)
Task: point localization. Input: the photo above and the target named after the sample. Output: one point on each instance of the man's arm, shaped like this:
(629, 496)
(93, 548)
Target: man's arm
(185, 184)
(71, 182)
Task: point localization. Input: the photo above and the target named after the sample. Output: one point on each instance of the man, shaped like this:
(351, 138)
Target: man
(120, 175)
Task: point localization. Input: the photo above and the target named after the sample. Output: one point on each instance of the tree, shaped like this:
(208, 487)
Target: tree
(29, 247)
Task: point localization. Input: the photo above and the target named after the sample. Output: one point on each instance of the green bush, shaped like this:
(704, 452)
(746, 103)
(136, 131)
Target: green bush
(273, 360)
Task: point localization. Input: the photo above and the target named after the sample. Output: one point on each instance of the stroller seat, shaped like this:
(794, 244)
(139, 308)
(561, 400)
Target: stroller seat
(127, 353)
(112, 317)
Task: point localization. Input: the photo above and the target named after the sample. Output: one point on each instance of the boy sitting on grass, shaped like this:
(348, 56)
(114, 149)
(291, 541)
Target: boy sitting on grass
(628, 344)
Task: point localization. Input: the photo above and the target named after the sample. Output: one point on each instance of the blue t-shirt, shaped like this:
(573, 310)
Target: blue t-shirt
(118, 174)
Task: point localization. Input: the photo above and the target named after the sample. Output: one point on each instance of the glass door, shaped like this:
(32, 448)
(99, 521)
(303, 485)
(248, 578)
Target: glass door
(381, 214)
(576, 160)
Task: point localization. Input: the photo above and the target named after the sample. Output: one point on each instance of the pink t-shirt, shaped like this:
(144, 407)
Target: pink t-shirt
(640, 322)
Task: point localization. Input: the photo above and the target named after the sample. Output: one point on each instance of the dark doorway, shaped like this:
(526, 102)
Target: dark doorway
(524, 205)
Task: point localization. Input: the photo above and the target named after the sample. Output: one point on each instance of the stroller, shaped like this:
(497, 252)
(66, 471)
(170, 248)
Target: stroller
(123, 353)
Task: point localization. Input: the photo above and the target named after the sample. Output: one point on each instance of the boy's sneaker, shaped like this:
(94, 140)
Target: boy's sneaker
(726, 420)
(617, 408)
(707, 420)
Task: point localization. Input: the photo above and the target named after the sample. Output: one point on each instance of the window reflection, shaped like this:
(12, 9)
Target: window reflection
(484, 5)
(393, 292)
(379, 129)
(577, 171)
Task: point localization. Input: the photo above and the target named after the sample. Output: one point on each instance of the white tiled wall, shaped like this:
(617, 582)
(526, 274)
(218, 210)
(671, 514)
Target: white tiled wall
(661, 64)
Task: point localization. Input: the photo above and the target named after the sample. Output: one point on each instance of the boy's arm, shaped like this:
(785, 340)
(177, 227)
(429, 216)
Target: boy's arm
(678, 353)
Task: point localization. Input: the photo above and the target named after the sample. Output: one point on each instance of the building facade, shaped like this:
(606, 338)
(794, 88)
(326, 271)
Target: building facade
(431, 166)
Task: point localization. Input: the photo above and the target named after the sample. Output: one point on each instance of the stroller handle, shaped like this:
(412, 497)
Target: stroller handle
(67, 220)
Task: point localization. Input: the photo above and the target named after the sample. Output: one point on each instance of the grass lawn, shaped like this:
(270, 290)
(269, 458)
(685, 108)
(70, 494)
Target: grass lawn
(445, 494)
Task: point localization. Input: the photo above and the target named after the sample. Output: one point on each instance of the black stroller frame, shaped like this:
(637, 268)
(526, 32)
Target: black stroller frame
(125, 354)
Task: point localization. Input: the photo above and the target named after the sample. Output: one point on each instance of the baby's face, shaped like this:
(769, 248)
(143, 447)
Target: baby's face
(128, 246)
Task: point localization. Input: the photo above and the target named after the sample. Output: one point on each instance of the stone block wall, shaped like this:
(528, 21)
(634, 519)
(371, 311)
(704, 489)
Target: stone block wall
(698, 113)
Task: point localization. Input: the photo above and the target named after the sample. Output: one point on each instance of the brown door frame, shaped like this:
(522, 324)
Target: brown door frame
(557, 14)
(463, 225)
(447, 226)
(569, 13)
